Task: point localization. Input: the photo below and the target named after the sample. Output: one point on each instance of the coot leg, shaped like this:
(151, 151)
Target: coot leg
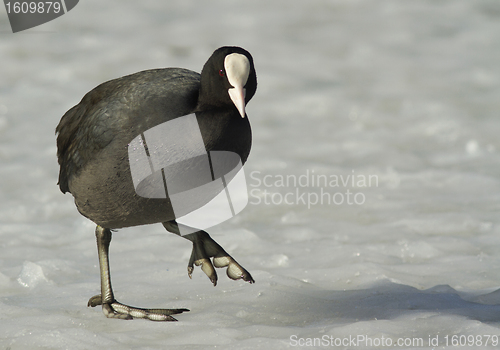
(204, 248)
(110, 307)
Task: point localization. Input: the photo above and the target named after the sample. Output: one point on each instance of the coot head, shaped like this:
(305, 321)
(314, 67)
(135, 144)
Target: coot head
(227, 79)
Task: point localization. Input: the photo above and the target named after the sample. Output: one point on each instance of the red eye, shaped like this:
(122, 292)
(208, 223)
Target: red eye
(221, 73)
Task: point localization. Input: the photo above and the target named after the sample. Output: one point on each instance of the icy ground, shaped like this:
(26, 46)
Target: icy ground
(405, 93)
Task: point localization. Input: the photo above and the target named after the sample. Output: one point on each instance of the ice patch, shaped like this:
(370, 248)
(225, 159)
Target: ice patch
(31, 275)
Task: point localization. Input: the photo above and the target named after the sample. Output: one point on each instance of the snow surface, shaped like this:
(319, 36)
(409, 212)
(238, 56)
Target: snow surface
(405, 92)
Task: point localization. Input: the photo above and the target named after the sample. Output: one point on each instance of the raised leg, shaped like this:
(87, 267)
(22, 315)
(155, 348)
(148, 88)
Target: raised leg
(204, 248)
(110, 307)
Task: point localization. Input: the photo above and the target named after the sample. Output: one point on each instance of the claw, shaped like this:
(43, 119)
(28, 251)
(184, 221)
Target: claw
(203, 244)
(208, 268)
(204, 248)
(234, 270)
(95, 301)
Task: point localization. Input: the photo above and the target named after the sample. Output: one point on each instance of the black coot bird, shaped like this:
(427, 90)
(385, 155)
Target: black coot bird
(93, 138)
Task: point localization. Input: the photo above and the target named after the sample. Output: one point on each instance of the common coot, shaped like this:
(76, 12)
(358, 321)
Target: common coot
(93, 141)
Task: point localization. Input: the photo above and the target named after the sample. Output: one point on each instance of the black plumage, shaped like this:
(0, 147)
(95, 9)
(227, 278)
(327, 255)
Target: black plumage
(92, 141)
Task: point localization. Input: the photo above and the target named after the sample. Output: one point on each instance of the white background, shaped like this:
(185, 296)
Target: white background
(407, 91)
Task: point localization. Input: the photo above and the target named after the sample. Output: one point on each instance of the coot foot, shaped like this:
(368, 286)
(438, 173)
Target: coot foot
(204, 248)
(110, 307)
(125, 312)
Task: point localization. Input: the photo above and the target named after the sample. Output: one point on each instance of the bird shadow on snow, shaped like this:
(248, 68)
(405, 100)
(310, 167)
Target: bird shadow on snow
(385, 300)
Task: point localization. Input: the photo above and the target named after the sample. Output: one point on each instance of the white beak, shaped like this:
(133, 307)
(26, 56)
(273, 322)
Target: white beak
(237, 95)
(237, 68)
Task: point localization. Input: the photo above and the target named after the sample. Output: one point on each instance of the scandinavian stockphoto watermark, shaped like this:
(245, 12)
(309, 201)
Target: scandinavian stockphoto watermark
(205, 188)
(310, 188)
(31, 13)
